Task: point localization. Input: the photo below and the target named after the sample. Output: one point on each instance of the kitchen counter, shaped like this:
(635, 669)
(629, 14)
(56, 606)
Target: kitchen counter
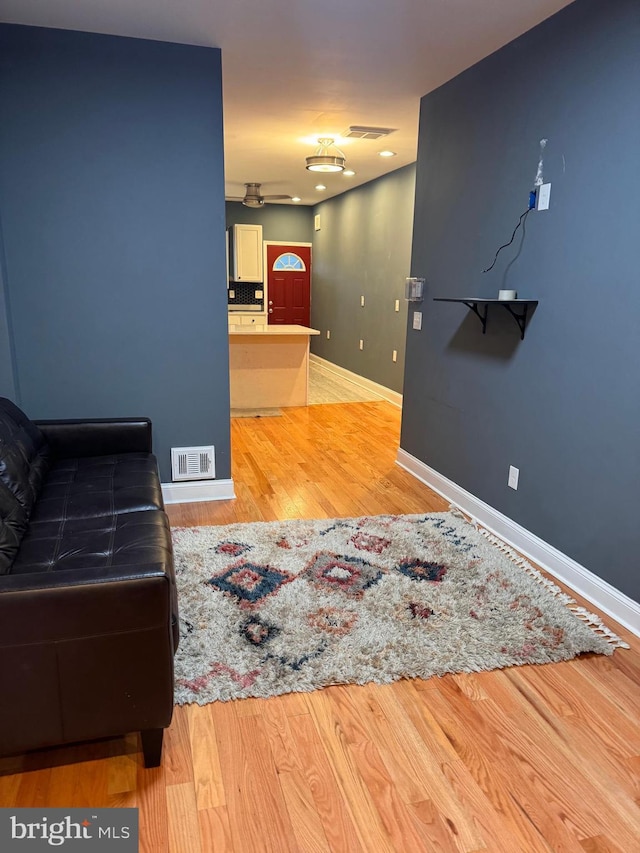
(261, 329)
(269, 365)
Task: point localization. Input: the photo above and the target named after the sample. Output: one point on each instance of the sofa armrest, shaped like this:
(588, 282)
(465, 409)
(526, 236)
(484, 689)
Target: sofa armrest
(60, 606)
(81, 660)
(99, 437)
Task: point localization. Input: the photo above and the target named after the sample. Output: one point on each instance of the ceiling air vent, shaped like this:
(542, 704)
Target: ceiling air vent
(193, 463)
(361, 132)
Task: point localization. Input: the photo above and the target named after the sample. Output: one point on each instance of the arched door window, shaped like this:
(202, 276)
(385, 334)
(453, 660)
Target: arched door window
(289, 261)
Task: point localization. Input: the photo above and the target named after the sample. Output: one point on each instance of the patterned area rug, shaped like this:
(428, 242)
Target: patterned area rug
(275, 607)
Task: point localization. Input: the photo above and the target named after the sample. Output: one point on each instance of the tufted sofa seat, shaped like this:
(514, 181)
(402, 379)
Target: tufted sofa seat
(88, 606)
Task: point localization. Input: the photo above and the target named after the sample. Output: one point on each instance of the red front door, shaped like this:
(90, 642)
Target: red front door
(289, 285)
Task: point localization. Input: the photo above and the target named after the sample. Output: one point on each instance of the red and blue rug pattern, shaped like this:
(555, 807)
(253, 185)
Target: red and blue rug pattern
(274, 607)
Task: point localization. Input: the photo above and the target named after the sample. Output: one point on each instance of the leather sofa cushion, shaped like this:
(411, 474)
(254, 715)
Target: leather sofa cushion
(95, 543)
(24, 460)
(13, 524)
(86, 550)
(24, 454)
(98, 486)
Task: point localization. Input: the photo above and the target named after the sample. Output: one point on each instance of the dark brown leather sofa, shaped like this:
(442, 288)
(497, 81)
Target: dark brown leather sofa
(88, 609)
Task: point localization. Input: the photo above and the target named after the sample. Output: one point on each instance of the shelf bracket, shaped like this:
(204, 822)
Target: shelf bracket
(480, 308)
(521, 319)
(481, 316)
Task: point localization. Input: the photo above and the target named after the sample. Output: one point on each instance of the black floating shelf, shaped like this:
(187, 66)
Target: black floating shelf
(480, 308)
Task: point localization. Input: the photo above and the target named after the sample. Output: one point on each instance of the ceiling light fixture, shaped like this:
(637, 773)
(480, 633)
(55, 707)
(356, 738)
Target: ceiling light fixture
(348, 173)
(328, 158)
(386, 153)
(296, 199)
(320, 187)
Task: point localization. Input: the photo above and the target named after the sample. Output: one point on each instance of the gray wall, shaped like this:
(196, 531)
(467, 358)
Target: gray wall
(279, 221)
(364, 248)
(564, 404)
(112, 209)
(7, 361)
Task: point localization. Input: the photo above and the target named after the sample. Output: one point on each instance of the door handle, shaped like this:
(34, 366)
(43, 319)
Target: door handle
(270, 310)
(271, 302)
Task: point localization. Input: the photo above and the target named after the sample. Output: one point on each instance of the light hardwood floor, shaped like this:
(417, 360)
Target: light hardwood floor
(526, 759)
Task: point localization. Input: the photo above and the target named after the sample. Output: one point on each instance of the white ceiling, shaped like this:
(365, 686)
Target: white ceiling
(296, 70)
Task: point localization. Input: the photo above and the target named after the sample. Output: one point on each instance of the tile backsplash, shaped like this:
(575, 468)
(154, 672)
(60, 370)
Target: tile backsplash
(245, 294)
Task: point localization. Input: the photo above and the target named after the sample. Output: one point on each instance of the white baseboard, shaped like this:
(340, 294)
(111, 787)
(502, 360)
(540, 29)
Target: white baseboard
(198, 490)
(603, 595)
(386, 393)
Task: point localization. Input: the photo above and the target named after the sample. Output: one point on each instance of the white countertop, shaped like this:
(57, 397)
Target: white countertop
(257, 329)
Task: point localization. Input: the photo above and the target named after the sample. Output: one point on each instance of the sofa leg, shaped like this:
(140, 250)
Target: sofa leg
(152, 746)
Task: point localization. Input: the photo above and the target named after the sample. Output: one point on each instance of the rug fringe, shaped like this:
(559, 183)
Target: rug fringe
(590, 619)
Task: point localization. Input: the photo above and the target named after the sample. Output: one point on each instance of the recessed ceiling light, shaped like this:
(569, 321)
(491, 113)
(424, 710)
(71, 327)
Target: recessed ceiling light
(296, 198)
(348, 173)
(386, 153)
(320, 187)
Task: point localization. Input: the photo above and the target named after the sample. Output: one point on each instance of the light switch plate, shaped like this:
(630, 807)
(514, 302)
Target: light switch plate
(514, 475)
(544, 195)
(417, 320)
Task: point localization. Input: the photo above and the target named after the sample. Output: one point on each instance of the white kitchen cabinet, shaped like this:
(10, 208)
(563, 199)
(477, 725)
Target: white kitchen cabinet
(238, 319)
(245, 253)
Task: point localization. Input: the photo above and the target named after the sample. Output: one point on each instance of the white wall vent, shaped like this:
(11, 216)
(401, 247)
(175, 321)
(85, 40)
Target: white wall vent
(361, 132)
(193, 463)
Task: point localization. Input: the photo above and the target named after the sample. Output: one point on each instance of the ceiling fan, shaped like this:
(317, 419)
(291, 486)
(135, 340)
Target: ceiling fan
(253, 198)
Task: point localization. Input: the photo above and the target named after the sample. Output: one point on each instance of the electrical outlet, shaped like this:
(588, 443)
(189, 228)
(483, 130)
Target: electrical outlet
(394, 356)
(542, 197)
(328, 333)
(514, 474)
(361, 344)
(397, 307)
(417, 320)
(362, 301)
(232, 294)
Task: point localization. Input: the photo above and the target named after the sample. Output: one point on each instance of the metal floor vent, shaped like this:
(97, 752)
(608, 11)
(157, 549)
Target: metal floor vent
(361, 132)
(193, 463)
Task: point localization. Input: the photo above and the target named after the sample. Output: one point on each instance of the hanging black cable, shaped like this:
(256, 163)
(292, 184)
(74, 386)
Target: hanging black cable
(520, 221)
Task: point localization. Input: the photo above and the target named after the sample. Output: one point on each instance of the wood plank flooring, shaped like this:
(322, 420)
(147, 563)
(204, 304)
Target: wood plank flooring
(528, 759)
(325, 386)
